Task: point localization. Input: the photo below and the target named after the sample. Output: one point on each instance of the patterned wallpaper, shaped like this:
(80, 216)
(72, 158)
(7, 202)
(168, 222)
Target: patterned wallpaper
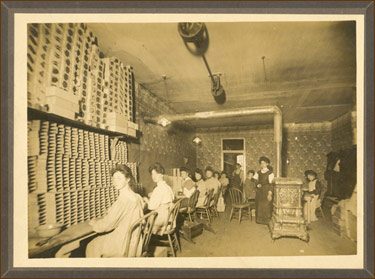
(303, 148)
(257, 143)
(167, 145)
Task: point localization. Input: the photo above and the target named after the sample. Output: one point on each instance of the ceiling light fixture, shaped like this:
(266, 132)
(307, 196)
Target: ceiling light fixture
(195, 37)
(197, 140)
(164, 122)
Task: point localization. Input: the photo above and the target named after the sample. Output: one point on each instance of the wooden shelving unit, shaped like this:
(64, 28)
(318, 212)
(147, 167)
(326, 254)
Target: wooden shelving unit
(33, 114)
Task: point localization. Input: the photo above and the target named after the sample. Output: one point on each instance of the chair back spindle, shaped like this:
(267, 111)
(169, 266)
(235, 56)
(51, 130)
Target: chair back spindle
(141, 230)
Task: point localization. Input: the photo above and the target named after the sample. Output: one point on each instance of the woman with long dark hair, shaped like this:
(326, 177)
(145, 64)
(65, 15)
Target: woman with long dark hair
(127, 209)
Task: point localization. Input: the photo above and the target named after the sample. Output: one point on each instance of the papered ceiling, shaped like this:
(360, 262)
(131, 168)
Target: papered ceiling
(309, 68)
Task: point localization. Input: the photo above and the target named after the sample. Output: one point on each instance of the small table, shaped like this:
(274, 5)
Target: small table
(74, 233)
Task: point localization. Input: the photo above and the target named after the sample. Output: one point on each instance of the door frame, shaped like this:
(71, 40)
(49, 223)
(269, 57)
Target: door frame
(234, 151)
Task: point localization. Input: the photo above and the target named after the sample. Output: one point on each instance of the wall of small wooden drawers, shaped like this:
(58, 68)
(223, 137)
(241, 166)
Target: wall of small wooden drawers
(69, 177)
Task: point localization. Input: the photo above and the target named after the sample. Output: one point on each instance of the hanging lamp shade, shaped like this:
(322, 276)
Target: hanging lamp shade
(218, 91)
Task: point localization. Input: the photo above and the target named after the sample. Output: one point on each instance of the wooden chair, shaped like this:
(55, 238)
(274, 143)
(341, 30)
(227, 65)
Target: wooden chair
(321, 198)
(190, 210)
(238, 204)
(204, 211)
(170, 231)
(144, 226)
(213, 207)
(250, 201)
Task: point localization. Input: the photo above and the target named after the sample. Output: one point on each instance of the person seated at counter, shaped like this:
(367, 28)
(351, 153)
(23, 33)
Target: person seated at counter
(201, 187)
(311, 195)
(126, 210)
(211, 181)
(161, 198)
(188, 186)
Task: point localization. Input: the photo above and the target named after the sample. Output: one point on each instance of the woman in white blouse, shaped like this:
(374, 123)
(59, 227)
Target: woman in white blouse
(201, 187)
(161, 198)
(188, 185)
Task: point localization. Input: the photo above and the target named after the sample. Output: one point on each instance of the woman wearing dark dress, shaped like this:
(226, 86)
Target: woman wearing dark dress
(237, 177)
(263, 198)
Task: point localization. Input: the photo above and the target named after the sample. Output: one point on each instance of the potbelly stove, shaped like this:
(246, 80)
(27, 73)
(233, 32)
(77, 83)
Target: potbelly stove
(287, 216)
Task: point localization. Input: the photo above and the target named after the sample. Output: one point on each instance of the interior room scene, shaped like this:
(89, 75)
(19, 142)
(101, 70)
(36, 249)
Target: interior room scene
(191, 139)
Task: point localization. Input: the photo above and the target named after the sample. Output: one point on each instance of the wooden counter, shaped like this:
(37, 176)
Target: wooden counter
(71, 234)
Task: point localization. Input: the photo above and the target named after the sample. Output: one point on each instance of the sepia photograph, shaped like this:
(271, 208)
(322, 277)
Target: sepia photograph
(211, 140)
(199, 136)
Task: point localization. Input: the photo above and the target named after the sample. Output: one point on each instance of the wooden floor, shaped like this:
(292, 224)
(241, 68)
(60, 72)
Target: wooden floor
(252, 239)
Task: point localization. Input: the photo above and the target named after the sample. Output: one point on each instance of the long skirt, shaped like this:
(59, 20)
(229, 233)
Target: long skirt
(263, 207)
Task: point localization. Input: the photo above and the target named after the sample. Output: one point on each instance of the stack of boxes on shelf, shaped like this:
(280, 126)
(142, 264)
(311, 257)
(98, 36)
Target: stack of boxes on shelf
(51, 68)
(118, 81)
(119, 153)
(69, 173)
(68, 77)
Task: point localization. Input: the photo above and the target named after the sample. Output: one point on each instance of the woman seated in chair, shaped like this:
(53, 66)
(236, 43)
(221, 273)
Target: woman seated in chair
(312, 195)
(188, 186)
(211, 181)
(224, 181)
(201, 187)
(161, 198)
(127, 209)
(237, 177)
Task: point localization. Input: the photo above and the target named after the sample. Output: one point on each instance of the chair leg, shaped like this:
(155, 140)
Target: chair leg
(195, 216)
(191, 220)
(208, 215)
(231, 214)
(251, 216)
(171, 245)
(178, 242)
(321, 211)
(212, 211)
(239, 215)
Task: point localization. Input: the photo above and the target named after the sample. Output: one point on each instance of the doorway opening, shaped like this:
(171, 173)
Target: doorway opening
(233, 152)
